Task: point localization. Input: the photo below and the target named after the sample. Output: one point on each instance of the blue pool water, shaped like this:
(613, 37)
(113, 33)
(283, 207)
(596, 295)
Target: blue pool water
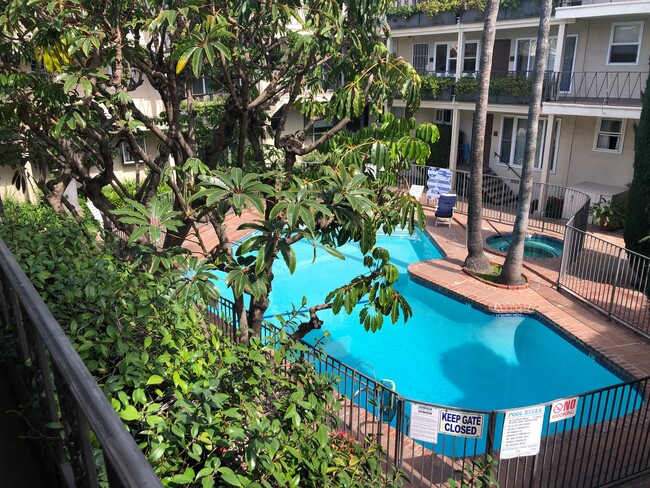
(448, 353)
(535, 246)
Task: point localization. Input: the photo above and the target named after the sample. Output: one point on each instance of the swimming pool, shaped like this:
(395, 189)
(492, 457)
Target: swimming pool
(448, 353)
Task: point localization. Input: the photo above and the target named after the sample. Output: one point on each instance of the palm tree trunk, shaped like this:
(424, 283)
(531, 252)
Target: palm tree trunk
(512, 267)
(476, 260)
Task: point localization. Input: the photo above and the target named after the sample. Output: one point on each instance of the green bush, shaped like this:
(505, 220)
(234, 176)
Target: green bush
(206, 412)
(129, 184)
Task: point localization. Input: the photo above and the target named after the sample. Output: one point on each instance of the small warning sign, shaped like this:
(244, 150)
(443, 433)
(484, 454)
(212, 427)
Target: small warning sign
(424, 423)
(563, 409)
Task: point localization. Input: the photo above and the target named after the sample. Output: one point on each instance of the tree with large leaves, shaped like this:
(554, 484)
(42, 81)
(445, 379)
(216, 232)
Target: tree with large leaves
(512, 267)
(476, 260)
(325, 60)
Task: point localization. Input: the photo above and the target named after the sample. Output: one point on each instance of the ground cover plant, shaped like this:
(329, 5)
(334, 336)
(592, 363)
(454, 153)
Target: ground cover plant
(205, 411)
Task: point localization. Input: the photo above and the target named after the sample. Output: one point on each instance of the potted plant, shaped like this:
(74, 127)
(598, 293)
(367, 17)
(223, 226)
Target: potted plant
(607, 215)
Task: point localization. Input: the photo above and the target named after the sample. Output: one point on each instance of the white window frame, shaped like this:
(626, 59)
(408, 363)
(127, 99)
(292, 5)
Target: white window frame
(541, 136)
(556, 145)
(573, 65)
(426, 61)
(126, 149)
(611, 43)
(478, 54)
(440, 115)
(532, 51)
(448, 58)
(205, 85)
(621, 135)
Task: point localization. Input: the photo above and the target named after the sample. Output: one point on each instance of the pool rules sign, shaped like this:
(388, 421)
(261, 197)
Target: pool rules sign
(522, 432)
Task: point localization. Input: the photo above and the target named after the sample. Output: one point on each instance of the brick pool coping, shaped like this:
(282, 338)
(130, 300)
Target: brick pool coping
(623, 348)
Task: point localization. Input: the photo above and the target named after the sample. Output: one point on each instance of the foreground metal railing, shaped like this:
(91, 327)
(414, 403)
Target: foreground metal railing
(604, 442)
(551, 206)
(611, 278)
(76, 420)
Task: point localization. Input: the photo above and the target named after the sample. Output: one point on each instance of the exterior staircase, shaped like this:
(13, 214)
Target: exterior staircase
(495, 190)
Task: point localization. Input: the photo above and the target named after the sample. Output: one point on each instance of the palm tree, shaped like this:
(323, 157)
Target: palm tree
(476, 260)
(512, 267)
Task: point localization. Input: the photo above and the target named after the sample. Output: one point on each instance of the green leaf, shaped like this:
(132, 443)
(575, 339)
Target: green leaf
(186, 477)
(229, 476)
(129, 413)
(154, 380)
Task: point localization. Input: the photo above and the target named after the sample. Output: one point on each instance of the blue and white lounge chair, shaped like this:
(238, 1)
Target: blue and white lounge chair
(445, 210)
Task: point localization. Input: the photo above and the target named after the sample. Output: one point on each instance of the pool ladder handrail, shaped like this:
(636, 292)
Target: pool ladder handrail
(367, 390)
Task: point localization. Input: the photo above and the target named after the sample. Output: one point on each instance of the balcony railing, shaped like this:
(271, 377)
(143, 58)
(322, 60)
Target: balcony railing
(514, 87)
(75, 419)
(406, 14)
(596, 86)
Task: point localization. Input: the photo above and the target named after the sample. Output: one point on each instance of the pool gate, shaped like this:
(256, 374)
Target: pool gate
(596, 439)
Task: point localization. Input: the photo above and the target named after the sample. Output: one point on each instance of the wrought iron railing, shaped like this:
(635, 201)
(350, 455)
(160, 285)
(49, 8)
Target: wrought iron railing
(606, 440)
(600, 86)
(611, 278)
(78, 424)
(551, 206)
(514, 87)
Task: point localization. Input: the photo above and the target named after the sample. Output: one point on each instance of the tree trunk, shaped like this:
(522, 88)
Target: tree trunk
(476, 260)
(242, 316)
(512, 267)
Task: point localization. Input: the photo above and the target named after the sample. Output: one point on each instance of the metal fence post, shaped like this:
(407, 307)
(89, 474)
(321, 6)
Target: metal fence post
(614, 284)
(399, 431)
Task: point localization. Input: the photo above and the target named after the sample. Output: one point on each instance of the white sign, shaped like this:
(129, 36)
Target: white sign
(522, 432)
(461, 424)
(563, 409)
(424, 423)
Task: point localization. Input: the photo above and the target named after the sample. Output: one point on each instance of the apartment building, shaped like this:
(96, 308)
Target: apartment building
(597, 69)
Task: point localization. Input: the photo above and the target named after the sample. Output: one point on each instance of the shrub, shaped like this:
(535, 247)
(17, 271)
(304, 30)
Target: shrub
(204, 411)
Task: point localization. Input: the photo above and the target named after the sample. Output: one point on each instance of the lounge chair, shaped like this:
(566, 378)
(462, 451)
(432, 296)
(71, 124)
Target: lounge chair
(445, 210)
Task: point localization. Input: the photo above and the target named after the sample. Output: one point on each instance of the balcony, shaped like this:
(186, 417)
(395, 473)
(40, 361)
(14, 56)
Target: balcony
(596, 87)
(410, 16)
(507, 87)
(512, 87)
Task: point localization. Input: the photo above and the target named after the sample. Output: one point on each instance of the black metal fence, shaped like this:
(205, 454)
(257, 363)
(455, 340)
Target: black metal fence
(551, 206)
(594, 439)
(79, 425)
(610, 278)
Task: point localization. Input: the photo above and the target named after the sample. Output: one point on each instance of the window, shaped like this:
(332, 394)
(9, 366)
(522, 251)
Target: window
(555, 145)
(128, 157)
(442, 116)
(624, 43)
(470, 57)
(446, 58)
(319, 128)
(525, 58)
(513, 141)
(609, 135)
(202, 86)
(420, 57)
(568, 62)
